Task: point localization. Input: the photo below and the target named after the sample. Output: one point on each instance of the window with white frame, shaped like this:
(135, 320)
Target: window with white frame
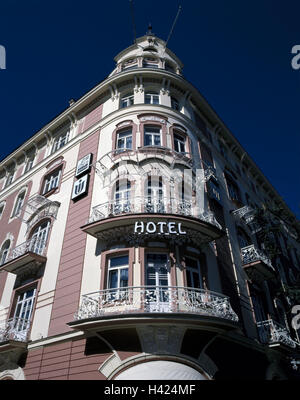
(179, 143)
(29, 163)
(39, 237)
(127, 100)
(9, 178)
(23, 310)
(117, 277)
(122, 197)
(155, 195)
(152, 98)
(60, 141)
(124, 140)
(152, 135)
(4, 252)
(19, 203)
(51, 181)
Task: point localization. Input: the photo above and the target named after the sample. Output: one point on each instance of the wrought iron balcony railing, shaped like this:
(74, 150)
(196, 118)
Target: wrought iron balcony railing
(251, 254)
(36, 246)
(15, 329)
(145, 204)
(271, 332)
(155, 299)
(247, 215)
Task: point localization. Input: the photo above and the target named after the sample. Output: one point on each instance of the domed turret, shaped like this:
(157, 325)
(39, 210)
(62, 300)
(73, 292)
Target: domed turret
(148, 51)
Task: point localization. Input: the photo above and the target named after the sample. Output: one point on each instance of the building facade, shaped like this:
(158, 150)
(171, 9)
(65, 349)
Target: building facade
(136, 237)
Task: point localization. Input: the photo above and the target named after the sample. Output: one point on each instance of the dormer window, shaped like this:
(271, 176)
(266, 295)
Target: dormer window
(149, 62)
(9, 179)
(129, 64)
(152, 98)
(169, 67)
(174, 104)
(29, 164)
(127, 100)
(60, 141)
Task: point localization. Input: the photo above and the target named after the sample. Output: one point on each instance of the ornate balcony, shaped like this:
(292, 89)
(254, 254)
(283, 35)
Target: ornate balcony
(160, 153)
(257, 265)
(152, 300)
(247, 215)
(200, 227)
(14, 332)
(31, 251)
(272, 333)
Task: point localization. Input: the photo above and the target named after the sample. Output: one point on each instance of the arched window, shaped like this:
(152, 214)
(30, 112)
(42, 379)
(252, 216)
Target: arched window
(127, 100)
(4, 252)
(243, 238)
(151, 98)
(19, 203)
(39, 237)
(155, 195)
(122, 197)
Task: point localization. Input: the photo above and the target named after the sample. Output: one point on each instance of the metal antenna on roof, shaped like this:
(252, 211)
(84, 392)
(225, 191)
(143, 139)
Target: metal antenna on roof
(171, 31)
(133, 23)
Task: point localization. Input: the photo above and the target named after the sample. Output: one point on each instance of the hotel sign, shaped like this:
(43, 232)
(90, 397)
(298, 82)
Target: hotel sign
(160, 228)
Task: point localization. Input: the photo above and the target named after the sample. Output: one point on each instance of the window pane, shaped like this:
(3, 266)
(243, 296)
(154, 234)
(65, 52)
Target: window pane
(124, 277)
(118, 261)
(113, 279)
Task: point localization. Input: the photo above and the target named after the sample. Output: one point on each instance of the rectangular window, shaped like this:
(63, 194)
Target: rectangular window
(152, 136)
(29, 164)
(193, 277)
(23, 310)
(60, 141)
(9, 179)
(18, 205)
(179, 143)
(151, 98)
(52, 181)
(124, 140)
(117, 277)
(127, 101)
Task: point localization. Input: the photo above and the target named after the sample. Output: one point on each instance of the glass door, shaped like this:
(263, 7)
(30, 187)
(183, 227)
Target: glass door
(158, 282)
(155, 195)
(23, 312)
(39, 238)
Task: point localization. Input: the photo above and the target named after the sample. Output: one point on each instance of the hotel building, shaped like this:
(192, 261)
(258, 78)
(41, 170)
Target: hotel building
(133, 240)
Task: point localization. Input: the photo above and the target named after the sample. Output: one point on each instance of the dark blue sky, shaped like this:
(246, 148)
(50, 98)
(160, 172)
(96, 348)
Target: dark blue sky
(237, 53)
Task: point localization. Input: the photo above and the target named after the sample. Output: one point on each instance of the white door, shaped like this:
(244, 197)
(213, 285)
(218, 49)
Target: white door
(158, 283)
(155, 195)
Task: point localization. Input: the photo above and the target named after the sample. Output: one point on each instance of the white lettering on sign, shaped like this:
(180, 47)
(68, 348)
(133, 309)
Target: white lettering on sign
(165, 228)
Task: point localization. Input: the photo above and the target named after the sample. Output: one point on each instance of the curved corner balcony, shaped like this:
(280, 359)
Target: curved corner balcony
(160, 153)
(143, 217)
(139, 301)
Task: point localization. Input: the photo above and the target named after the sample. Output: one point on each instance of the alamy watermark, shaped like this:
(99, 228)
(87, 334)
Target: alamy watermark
(296, 59)
(296, 318)
(2, 57)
